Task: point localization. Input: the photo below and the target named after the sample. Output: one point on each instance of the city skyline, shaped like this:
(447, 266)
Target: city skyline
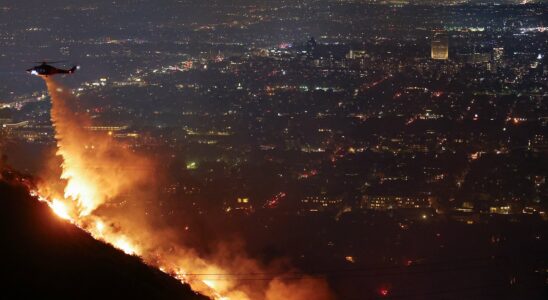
(353, 136)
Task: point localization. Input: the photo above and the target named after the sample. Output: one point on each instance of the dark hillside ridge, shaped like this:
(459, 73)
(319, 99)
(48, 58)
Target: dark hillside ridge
(44, 257)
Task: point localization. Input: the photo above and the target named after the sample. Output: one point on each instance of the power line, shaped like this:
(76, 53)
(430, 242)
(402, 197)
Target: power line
(342, 275)
(356, 272)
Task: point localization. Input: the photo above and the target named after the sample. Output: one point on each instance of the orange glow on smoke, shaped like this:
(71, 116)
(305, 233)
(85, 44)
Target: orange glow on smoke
(94, 165)
(97, 171)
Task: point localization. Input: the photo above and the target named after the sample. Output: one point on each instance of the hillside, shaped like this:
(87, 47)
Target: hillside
(47, 258)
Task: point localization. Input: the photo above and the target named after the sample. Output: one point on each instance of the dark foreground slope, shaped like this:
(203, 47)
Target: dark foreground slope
(43, 257)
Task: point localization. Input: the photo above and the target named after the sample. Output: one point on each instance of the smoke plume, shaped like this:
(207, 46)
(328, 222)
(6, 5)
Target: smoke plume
(95, 167)
(98, 172)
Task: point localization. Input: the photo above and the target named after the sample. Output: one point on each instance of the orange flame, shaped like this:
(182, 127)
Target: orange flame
(94, 166)
(60, 209)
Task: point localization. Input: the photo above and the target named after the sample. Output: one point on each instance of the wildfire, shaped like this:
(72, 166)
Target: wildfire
(100, 226)
(60, 209)
(123, 244)
(79, 191)
(88, 186)
(95, 175)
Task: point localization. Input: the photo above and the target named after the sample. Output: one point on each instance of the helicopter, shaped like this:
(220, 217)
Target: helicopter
(45, 69)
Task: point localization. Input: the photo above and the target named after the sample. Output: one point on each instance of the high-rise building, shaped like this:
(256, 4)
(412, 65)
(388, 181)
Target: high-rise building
(355, 54)
(498, 53)
(440, 46)
(311, 47)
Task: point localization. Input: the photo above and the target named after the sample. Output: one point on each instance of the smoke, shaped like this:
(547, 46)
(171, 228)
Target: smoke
(305, 288)
(95, 167)
(105, 190)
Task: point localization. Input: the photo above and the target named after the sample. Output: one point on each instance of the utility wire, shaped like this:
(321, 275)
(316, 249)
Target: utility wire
(362, 272)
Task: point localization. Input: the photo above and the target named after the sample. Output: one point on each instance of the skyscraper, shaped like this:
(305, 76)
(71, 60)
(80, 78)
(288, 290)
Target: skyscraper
(440, 46)
(498, 53)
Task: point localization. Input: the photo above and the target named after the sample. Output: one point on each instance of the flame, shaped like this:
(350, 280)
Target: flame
(95, 172)
(78, 190)
(94, 165)
(123, 244)
(100, 226)
(60, 209)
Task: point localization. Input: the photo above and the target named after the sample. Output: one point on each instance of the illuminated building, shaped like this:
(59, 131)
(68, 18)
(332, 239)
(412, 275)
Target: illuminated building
(498, 53)
(242, 204)
(538, 143)
(501, 210)
(440, 46)
(390, 202)
(355, 54)
(478, 58)
(15, 125)
(106, 128)
(321, 202)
